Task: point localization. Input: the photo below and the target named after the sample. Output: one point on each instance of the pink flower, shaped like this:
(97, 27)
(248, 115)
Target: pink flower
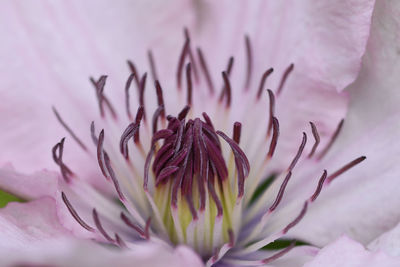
(184, 157)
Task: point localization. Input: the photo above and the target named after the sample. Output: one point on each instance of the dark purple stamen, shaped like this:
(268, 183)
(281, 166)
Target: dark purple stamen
(297, 219)
(299, 152)
(113, 177)
(127, 86)
(249, 58)
(275, 136)
(319, 187)
(191, 57)
(126, 135)
(227, 91)
(206, 73)
(101, 98)
(99, 226)
(181, 63)
(134, 71)
(346, 168)
(100, 155)
(189, 84)
(284, 78)
(141, 93)
(271, 111)
(68, 129)
(75, 214)
(280, 192)
(333, 138)
(121, 243)
(138, 119)
(156, 115)
(262, 82)
(160, 98)
(152, 65)
(316, 137)
(279, 254)
(93, 134)
(237, 129)
(183, 113)
(135, 227)
(57, 157)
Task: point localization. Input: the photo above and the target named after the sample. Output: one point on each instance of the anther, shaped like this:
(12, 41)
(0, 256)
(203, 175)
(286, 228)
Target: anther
(333, 138)
(249, 57)
(68, 129)
(237, 129)
(284, 78)
(262, 82)
(299, 152)
(191, 57)
(271, 111)
(138, 119)
(135, 227)
(156, 115)
(152, 65)
(189, 84)
(75, 214)
(160, 99)
(127, 103)
(141, 94)
(134, 71)
(101, 98)
(319, 187)
(316, 137)
(346, 168)
(181, 63)
(275, 135)
(206, 73)
(280, 192)
(65, 171)
(279, 254)
(227, 90)
(100, 155)
(99, 226)
(297, 219)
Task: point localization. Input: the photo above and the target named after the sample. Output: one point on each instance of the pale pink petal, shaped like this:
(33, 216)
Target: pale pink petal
(362, 202)
(25, 224)
(72, 252)
(348, 253)
(388, 242)
(28, 186)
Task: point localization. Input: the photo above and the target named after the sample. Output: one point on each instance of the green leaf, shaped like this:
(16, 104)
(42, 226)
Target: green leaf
(5, 198)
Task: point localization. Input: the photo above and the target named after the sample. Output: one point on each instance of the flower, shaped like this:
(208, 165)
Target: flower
(222, 211)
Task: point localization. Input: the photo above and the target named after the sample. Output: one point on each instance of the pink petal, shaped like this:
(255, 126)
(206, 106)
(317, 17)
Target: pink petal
(348, 253)
(25, 224)
(28, 186)
(388, 242)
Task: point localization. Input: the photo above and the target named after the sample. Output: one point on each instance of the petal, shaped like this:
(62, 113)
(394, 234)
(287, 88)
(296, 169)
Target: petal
(72, 252)
(348, 253)
(362, 202)
(28, 186)
(388, 242)
(25, 224)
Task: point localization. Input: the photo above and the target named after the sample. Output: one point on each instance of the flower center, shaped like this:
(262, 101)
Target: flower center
(196, 187)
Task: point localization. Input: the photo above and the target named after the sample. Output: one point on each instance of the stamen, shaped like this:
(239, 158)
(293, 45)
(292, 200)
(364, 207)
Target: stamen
(183, 113)
(275, 135)
(119, 241)
(333, 138)
(141, 93)
(113, 177)
(345, 168)
(127, 86)
(75, 214)
(139, 116)
(126, 135)
(208, 120)
(214, 196)
(160, 99)
(229, 66)
(191, 57)
(135, 227)
(316, 137)
(147, 229)
(99, 87)
(227, 90)
(206, 73)
(284, 78)
(100, 227)
(156, 115)
(237, 129)
(262, 82)
(181, 63)
(152, 65)
(249, 57)
(297, 219)
(271, 111)
(93, 134)
(65, 171)
(134, 71)
(68, 129)
(280, 192)
(100, 155)
(299, 152)
(189, 84)
(319, 187)
(279, 254)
